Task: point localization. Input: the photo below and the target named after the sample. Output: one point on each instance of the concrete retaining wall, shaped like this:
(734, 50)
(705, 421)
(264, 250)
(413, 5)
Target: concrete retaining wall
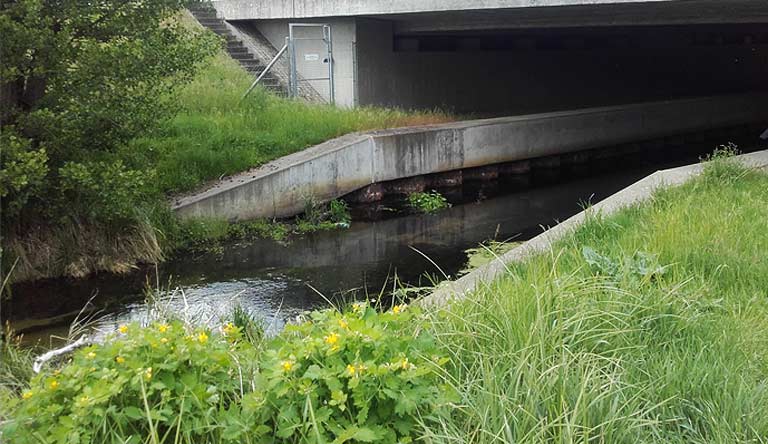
(340, 166)
(633, 194)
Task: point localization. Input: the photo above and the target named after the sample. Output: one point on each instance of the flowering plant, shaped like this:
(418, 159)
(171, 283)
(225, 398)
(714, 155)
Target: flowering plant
(142, 383)
(362, 376)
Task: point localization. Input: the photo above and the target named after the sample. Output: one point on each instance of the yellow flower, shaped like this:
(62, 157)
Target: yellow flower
(56, 372)
(351, 370)
(148, 374)
(343, 324)
(123, 329)
(162, 328)
(405, 365)
(357, 307)
(120, 360)
(398, 308)
(202, 338)
(91, 355)
(54, 384)
(332, 339)
(27, 395)
(287, 366)
(164, 340)
(229, 329)
(361, 368)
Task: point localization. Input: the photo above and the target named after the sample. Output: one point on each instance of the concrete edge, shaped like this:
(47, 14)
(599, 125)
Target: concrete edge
(272, 167)
(633, 194)
(343, 142)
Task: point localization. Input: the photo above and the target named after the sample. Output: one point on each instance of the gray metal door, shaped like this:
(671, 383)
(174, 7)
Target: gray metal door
(311, 53)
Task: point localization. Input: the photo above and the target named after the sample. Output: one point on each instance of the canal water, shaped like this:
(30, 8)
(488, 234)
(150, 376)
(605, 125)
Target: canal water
(384, 246)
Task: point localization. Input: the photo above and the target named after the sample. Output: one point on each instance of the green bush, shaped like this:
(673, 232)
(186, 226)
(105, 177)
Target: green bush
(145, 385)
(23, 171)
(363, 376)
(104, 191)
(428, 202)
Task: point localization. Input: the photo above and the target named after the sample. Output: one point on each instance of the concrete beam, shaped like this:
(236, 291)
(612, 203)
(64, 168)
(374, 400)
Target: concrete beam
(340, 166)
(650, 10)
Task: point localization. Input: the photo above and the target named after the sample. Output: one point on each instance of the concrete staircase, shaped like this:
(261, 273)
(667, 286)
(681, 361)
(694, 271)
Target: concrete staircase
(206, 15)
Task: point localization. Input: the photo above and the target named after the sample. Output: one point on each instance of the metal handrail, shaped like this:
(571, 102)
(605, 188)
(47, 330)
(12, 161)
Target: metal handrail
(266, 70)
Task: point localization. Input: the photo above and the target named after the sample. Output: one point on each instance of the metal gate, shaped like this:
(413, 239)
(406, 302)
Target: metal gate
(310, 52)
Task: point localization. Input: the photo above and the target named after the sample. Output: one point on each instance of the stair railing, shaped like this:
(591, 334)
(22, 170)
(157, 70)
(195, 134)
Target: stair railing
(266, 70)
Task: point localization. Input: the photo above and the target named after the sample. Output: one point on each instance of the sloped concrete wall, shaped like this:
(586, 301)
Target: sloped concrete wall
(340, 166)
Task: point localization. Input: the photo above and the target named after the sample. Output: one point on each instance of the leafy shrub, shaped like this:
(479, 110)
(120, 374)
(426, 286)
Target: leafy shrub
(104, 191)
(351, 377)
(428, 202)
(363, 376)
(23, 171)
(155, 382)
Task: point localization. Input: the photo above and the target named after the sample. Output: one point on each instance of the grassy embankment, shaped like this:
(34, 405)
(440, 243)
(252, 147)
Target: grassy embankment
(214, 134)
(647, 326)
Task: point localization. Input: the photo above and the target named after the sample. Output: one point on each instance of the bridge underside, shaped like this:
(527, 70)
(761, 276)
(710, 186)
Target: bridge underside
(497, 57)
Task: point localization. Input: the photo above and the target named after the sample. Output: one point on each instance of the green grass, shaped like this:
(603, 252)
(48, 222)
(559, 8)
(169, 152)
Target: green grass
(215, 133)
(663, 338)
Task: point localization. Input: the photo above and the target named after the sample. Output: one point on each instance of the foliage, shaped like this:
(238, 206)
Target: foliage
(318, 217)
(23, 172)
(354, 377)
(658, 336)
(251, 328)
(428, 202)
(102, 191)
(361, 377)
(15, 372)
(338, 212)
(161, 383)
(719, 166)
(640, 265)
(80, 80)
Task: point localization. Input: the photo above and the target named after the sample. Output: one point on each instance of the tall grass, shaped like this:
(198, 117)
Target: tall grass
(561, 351)
(216, 133)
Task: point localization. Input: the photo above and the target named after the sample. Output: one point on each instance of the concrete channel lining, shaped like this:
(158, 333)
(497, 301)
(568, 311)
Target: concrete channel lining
(635, 193)
(340, 166)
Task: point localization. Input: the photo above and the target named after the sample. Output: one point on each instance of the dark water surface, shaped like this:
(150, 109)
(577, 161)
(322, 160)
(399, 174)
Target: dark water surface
(278, 281)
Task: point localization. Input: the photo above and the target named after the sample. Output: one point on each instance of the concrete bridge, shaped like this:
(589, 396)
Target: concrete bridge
(570, 75)
(522, 56)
